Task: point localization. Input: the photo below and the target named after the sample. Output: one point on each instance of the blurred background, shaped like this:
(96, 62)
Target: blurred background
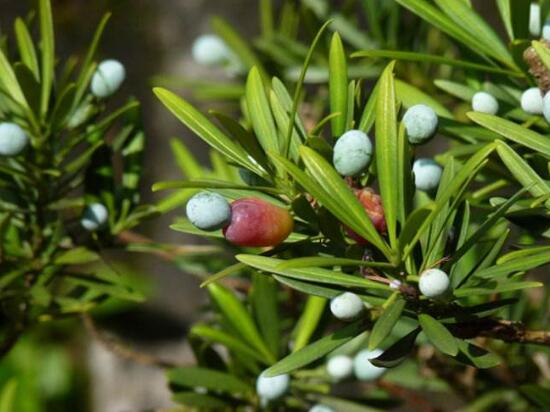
(63, 371)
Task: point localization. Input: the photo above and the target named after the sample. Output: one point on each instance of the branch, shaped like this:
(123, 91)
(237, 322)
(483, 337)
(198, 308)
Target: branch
(118, 348)
(505, 330)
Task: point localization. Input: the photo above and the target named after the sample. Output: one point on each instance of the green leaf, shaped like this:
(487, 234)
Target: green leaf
(266, 310)
(48, 54)
(236, 313)
(369, 112)
(77, 256)
(386, 322)
(8, 396)
(387, 152)
(338, 85)
(543, 52)
(339, 404)
(436, 59)
(518, 264)
(538, 395)
(9, 82)
(308, 321)
(491, 288)
(513, 132)
(312, 274)
(477, 356)
(438, 334)
(260, 113)
(201, 126)
(316, 350)
(215, 335)
(468, 170)
(477, 27)
(193, 377)
(185, 160)
(199, 400)
(331, 190)
(26, 47)
(398, 352)
(521, 170)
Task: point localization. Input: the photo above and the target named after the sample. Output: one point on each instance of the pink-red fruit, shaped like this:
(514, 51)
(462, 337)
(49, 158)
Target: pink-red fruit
(257, 223)
(373, 206)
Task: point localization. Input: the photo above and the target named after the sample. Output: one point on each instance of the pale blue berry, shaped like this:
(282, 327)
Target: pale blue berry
(534, 19)
(546, 107)
(321, 408)
(484, 102)
(427, 174)
(208, 211)
(107, 78)
(362, 367)
(210, 50)
(272, 388)
(94, 217)
(13, 139)
(339, 367)
(352, 153)
(420, 123)
(433, 283)
(346, 306)
(531, 101)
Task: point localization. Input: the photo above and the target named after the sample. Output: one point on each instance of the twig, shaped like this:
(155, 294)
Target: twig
(412, 398)
(505, 330)
(121, 349)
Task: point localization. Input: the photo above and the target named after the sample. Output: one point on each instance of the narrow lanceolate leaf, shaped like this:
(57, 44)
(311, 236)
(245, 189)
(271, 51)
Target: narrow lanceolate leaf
(432, 58)
(455, 186)
(467, 18)
(207, 131)
(26, 47)
(338, 84)
(308, 322)
(260, 112)
(387, 151)
(316, 350)
(48, 54)
(311, 274)
(336, 196)
(512, 131)
(235, 313)
(9, 81)
(194, 377)
(397, 352)
(438, 335)
(385, 323)
(520, 264)
(264, 299)
(522, 171)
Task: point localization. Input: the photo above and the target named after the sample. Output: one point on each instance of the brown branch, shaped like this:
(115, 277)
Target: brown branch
(120, 349)
(411, 397)
(505, 330)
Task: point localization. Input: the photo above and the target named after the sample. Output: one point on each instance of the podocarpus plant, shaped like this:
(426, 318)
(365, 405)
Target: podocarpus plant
(61, 200)
(446, 269)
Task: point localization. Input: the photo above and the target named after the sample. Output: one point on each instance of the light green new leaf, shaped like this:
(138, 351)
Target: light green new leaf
(409, 95)
(438, 334)
(201, 126)
(259, 112)
(387, 152)
(316, 350)
(543, 52)
(338, 85)
(26, 47)
(8, 396)
(236, 313)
